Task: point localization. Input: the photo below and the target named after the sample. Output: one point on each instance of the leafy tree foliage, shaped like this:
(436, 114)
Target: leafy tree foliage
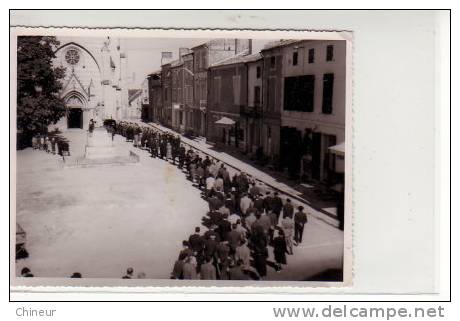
(38, 102)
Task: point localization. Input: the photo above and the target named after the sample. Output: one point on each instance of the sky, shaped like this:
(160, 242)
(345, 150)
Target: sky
(144, 54)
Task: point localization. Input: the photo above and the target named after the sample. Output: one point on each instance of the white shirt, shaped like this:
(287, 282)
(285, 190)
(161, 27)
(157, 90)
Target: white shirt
(210, 182)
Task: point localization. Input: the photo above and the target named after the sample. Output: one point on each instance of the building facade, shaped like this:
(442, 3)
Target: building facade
(205, 55)
(177, 97)
(272, 61)
(146, 111)
(95, 80)
(312, 96)
(234, 92)
(252, 114)
(155, 96)
(134, 109)
(165, 116)
(188, 82)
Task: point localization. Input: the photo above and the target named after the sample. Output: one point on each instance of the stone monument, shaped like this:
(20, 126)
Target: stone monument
(100, 149)
(100, 145)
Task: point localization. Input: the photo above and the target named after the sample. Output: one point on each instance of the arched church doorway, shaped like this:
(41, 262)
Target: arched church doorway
(74, 112)
(75, 118)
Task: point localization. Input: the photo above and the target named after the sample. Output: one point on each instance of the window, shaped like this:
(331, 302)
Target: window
(257, 95)
(272, 62)
(311, 56)
(328, 88)
(299, 93)
(217, 88)
(72, 56)
(329, 53)
(295, 58)
(258, 72)
(203, 60)
(271, 94)
(236, 90)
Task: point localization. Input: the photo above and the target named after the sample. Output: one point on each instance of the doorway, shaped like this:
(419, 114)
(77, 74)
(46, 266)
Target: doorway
(316, 156)
(75, 118)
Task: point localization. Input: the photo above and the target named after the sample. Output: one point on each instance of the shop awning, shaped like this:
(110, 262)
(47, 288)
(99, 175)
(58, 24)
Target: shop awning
(338, 149)
(225, 121)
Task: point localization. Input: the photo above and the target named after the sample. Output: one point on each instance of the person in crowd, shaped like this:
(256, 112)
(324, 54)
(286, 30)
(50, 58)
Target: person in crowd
(42, 142)
(300, 219)
(210, 244)
(222, 260)
(243, 253)
(241, 229)
(196, 241)
(260, 255)
(254, 190)
(208, 270)
(273, 223)
(233, 238)
(233, 218)
(189, 268)
(277, 204)
(186, 250)
(46, 145)
(245, 203)
(224, 226)
(219, 184)
(279, 249)
(215, 203)
(168, 151)
(258, 203)
(129, 273)
(268, 201)
(287, 225)
(178, 269)
(34, 142)
(225, 210)
(288, 209)
(209, 185)
(200, 175)
(53, 146)
(264, 221)
(236, 271)
(26, 273)
(250, 220)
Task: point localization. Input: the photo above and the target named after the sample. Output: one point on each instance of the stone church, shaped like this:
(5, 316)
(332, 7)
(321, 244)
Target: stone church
(95, 84)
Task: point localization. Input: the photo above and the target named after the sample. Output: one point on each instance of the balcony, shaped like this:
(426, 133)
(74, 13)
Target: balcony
(251, 111)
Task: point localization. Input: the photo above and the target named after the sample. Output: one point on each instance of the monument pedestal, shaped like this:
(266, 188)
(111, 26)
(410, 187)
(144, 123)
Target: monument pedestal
(100, 145)
(100, 150)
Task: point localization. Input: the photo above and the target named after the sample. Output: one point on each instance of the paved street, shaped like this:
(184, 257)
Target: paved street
(100, 220)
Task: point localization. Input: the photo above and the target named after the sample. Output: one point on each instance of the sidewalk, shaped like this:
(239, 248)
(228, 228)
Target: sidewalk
(326, 214)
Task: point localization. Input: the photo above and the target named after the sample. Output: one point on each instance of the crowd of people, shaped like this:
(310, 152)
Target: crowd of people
(245, 218)
(52, 144)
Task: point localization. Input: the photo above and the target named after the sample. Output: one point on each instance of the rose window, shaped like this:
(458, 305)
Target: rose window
(72, 56)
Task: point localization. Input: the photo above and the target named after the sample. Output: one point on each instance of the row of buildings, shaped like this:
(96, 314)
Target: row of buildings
(284, 105)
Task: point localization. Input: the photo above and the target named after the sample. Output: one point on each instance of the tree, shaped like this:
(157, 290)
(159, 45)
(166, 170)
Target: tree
(38, 101)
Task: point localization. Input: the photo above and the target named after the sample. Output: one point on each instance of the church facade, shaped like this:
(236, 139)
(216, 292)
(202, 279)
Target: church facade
(95, 82)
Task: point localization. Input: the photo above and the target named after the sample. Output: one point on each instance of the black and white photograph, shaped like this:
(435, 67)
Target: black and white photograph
(204, 159)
